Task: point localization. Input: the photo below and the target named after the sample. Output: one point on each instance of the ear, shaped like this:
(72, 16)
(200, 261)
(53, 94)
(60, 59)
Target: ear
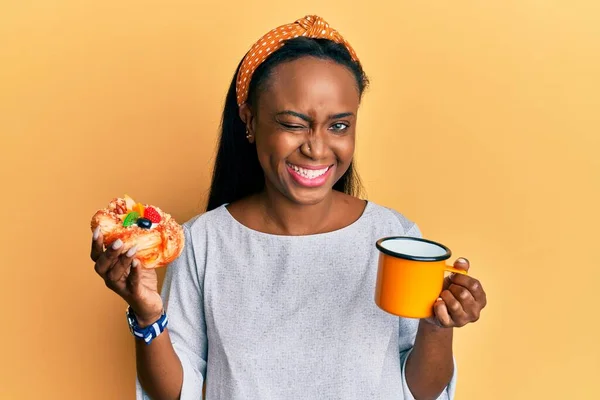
(248, 119)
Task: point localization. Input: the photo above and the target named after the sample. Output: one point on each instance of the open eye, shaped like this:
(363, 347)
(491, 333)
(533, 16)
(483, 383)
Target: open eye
(339, 127)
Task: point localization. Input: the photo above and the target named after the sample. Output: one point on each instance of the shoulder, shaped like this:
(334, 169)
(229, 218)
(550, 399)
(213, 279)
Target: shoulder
(206, 219)
(388, 216)
(197, 231)
(198, 228)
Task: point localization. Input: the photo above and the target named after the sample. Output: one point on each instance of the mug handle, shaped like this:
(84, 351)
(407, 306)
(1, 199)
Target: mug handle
(456, 270)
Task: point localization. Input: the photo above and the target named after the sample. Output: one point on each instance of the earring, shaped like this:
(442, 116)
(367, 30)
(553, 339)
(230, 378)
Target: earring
(248, 135)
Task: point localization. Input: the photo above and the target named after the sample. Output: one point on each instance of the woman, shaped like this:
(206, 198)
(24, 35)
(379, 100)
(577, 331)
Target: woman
(273, 295)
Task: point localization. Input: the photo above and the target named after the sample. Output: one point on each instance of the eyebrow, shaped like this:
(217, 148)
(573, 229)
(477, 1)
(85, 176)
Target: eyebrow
(309, 119)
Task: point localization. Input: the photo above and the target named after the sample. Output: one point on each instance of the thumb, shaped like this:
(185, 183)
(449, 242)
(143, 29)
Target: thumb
(462, 263)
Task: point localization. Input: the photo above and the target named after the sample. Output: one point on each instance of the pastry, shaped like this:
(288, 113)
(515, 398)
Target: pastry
(158, 237)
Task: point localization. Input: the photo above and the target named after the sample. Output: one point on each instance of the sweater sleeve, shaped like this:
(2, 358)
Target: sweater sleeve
(182, 293)
(408, 333)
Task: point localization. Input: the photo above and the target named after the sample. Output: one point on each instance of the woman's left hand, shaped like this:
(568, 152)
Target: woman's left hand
(461, 300)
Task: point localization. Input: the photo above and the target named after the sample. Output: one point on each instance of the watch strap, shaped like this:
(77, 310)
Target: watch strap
(150, 332)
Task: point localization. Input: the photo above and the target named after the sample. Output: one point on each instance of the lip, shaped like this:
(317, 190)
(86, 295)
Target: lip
(307, 182)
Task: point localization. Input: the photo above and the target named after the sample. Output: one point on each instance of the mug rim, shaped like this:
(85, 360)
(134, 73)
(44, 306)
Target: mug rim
(391, 253)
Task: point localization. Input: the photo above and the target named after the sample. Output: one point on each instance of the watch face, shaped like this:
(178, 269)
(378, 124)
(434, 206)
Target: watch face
(130, 320)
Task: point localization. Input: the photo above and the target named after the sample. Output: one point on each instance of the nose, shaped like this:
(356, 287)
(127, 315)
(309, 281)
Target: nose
(315, 145)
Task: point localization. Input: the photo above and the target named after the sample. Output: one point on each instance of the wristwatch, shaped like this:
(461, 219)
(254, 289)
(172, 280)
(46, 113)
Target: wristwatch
(150, 332)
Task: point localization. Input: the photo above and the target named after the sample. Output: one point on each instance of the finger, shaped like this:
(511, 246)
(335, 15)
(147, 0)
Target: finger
(473, 285)
(133, 281)
(442, 316)
(97, 244)
(121, 268)
(467, 302)
(455, 310)
(108, 257)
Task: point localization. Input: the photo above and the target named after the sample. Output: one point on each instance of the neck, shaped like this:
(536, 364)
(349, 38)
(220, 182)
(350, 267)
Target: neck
(288, 218)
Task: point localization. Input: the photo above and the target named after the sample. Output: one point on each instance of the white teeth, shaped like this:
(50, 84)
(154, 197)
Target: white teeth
(309, 173)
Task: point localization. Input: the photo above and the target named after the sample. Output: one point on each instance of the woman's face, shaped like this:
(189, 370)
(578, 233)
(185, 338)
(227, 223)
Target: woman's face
(304, 126)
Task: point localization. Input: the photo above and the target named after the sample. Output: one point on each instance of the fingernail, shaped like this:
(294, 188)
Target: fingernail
(131, 251)
(463, 260)
(439, 299)
(96, 234)
(135, 263)
(117, 244)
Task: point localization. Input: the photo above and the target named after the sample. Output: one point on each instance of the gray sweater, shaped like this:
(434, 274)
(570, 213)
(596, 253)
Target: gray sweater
(260, 316)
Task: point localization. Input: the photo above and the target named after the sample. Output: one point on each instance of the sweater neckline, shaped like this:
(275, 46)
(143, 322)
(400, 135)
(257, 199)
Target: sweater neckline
(255, 232)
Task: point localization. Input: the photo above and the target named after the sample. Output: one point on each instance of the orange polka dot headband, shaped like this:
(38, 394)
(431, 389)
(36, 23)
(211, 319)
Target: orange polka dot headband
(310, 26)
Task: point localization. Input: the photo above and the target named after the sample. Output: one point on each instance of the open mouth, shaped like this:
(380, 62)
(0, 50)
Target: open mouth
(309, 173)
(310, 177)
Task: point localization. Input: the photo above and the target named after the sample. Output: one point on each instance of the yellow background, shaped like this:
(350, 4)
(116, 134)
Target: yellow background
(481, 124)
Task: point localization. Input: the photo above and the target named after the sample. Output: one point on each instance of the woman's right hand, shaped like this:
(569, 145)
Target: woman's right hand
(123, 274)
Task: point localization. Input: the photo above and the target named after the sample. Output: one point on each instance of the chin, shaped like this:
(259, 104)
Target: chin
(308, 200)
(304, 196)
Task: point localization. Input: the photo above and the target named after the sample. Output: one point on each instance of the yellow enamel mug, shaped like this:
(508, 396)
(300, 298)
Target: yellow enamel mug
(410, 275)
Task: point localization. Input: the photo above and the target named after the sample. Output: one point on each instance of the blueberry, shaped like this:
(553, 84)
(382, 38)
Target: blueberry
(144, 223)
